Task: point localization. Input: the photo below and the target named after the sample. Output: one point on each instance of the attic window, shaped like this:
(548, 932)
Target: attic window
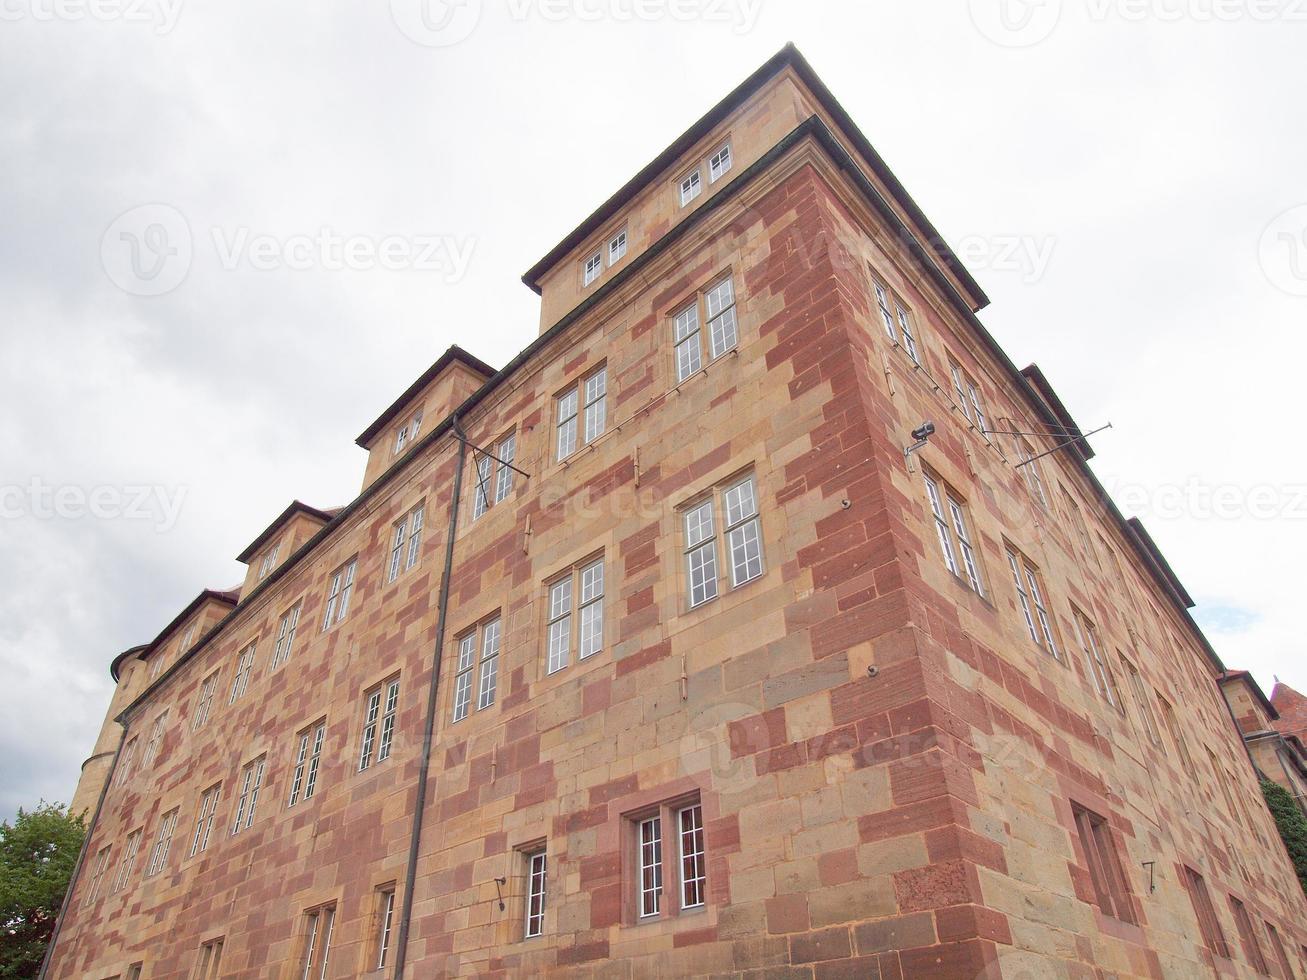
(691, 186)
(408, 432)
(594, 265)
(719, 163)
(617, 246)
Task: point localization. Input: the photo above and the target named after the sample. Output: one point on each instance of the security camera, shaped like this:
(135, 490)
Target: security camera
(925, 432)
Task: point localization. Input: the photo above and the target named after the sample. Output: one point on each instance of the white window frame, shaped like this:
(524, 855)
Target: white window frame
(617, 247)
(593, 268)
(251, 783)
(304, 777)
(162, 844)
(128, 760)
(339, 590)
(209, 799)
(949, 512)
(320, 925)
(1031, 599)
(692, 346)
(1030, 468)
(492, 475)
(476, 678)
(156, 740)
(740, 549)
(210, 960)
(581, 413)
(720, 163)
(204, 701)
(1140, 690)
(690, 186)
(408, 432)
(574, 614)
(127, 861)
(693, 867)
(537, 872)
(379, 716)
(269, 561)
(405, 539)
(281, 650)
(244, 668)
(1099, 669)
(97, 875)
(385, 926)
(649, 888)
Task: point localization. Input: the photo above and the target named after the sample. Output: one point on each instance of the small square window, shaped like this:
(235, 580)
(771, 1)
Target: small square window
(691, 187)
(593, 267)
(719, 163)
(617, 247)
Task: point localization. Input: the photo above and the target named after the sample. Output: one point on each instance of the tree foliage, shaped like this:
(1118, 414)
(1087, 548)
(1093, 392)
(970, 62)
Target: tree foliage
(1292, 823)
(37, 854)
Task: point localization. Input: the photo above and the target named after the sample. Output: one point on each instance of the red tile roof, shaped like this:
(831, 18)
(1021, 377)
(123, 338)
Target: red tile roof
(1292, 707)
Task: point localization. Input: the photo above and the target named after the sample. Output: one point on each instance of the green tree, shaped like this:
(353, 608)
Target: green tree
(37, 854)
(1292, 823)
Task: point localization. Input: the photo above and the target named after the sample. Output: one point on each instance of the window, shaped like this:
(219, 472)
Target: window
(162, 844)
(126, 862)
(594, 265)
(185, 643)
(1208, 924)
(382, 704)
(269, 561)
(156, 741)
(251, 783)
(408, 432)
(1029, 467)
(1104, 681)
(581, 587)
(319, 924)
(466, 674)
(723, 329)
(1031, 599)
(737, 505)
(244, 667)
(1140, 691)
(719, 163)
(494, 475)
(535, 893)
(970, 402)
(1078, 520)
(305, 778)
(595, 389)
(951, 528)
(406, 542)
(385, 924)
(1281, 956)
(682, 872)
(97, 874)
(210, 961)
(1248, 938)
(204, 819)
(691, 187)
(134, 971)
(893, 311)
(338, 593)
(616, 247)
(1177, 736)
(286, 636)
(1104, 865)
(128, 760)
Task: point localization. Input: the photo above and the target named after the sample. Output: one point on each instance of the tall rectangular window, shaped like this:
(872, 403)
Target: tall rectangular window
(98, 869)
(1095, 662)
(1077, 521)
(269, 561)
(155, 743)
(405, 542)
(1177, 735)
(970, 402)
(716, 307)
(127, 761)
(244, 667)
(319, 924)
(489, 680)
(126, 862)
(896, 320)
(1031, 599)
(719, 163)
(379, 724)
(1208, 924)
(594, 267)
(1029, 467)
(408, 432)
(162, 844)
(691, 187)
(1248, 937)
(596, 402)
(651, 866)
(536, 866)
(693, 869)
(251, 781)
(1281, 956)
(1140, 692)
(134, 971)
(308, 756)
(338, 593)
(494, 476)
(616, 247)
(385, 925)
(1104, 865)
(210, 960)
(575, 615)
(582, 413)
(286, 636)
(736, 503)
(670, 859)
(204, 818)
(950, 517)
(477, 676)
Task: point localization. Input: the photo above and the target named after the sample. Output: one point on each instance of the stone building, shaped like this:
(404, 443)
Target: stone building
(653, 653)
(1278, 754)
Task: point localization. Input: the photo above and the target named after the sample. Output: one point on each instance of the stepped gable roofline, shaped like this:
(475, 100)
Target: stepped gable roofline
(454, 353)
(787, 57)
(296, 507)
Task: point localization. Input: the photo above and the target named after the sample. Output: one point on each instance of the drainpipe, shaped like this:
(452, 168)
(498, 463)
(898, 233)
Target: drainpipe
(81, 858)
(428, 735)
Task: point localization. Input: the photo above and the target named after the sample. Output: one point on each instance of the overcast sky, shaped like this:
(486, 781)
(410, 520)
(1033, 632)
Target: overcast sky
(1121, 177)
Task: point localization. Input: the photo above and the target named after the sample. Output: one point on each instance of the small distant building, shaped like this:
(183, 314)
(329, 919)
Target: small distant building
(1273, 737)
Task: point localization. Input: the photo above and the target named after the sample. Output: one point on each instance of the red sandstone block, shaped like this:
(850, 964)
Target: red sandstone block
(695, 936)
(952, 843)
(723, 834)
(644, 658)
(825, 944)
(787, 914)
(893, 687)
(836, 742)
(606, 905)
(599, 869)
(952, 961)
(838, 867)
(757, 732)
(583, 952)
(613, 789)
(858, 968)
(972, 922)
(936, 886)
(785, 757)
(900, 932)
(910, 819)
